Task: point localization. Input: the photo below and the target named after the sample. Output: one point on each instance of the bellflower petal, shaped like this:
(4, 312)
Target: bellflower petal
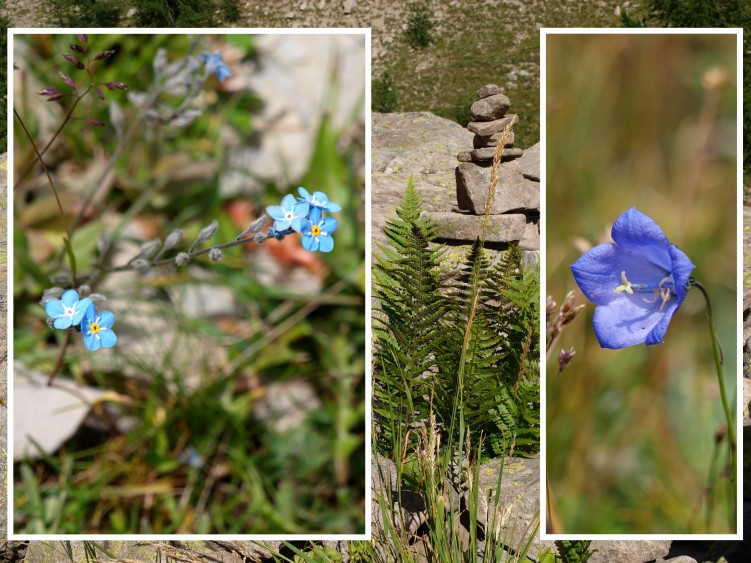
(637, 283)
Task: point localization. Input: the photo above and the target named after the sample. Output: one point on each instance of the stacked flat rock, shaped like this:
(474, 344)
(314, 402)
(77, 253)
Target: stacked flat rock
(515, 209)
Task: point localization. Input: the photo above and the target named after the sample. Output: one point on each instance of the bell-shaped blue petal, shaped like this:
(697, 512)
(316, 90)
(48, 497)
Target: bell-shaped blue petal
(637, 283)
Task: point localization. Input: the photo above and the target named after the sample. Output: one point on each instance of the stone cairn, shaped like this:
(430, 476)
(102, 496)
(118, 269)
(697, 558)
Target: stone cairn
(515, 212)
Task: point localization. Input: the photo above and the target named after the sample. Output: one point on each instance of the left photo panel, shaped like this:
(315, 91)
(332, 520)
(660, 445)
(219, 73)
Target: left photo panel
(187, 283)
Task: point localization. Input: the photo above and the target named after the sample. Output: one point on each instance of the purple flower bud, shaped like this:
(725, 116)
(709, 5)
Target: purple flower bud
(76, 48)
(56, 97)
(83, 38)
(565, 357)
(74, 60)
(113, 85)
(104, 55)
(96, 122)
(99, 93)
(68, 80)
(47, 91)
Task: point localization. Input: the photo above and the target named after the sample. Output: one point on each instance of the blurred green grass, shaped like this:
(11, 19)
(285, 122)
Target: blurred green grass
(250, 477)
(630, 433)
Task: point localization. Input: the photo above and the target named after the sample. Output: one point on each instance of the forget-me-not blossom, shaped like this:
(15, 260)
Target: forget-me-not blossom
(68, 310)
(97, 329)
(319, 200)
(637, 283)
(214, 65)
(289, 214)
(316, 231)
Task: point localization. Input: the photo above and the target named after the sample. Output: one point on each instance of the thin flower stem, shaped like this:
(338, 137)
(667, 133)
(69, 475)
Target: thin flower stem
(191, 255)
(720, 378)
(66, 240)
(60, 358)
(56, 134)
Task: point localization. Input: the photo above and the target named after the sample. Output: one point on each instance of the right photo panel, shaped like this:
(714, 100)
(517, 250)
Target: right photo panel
(642, 218)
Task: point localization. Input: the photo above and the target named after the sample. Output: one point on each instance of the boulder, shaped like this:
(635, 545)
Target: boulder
(513, 192)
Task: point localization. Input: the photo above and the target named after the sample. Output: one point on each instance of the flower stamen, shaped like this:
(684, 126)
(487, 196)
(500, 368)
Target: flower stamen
(626, 286)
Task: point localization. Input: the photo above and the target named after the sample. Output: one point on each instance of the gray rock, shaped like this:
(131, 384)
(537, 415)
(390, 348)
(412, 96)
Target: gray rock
(513, 192)
(530, 163)
(480, 155)
(531, 238)
(490, 108)
(488, 128)
(384, 488)
(462, 227)
(681, 559)
(488, 90)
(464, 156)
(493, 140)
(417, 145)
(628, 551)
(518, 501)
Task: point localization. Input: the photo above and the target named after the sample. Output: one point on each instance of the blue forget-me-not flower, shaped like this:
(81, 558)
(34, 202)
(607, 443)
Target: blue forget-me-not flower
(637, 283)
(316, 231)
(214, 65)
(318, 199)
(97, 329)
(68, 310)
(289, 214)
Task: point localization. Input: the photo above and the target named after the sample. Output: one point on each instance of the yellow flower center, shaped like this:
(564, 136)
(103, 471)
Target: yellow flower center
(94, 328)
(315, 231)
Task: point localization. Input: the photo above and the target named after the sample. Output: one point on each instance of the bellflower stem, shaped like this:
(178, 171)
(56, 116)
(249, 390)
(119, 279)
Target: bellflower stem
(718, 360)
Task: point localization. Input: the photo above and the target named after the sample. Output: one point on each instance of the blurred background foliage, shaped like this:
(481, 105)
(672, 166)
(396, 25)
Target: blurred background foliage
(637, 121)
(245, 411)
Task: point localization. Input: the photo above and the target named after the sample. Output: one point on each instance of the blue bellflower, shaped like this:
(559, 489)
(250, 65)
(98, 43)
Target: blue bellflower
(214, 65)
(317, 231)
(97, 329)
(319, 200)
(636, 283)
(288, 215)
(68, 310)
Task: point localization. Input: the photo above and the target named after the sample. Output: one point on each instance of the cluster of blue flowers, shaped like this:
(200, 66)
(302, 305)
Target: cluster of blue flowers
(70, 311)
(304, 215)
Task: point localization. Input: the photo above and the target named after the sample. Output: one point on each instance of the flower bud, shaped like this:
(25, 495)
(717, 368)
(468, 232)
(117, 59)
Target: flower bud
(67, 79)
(104, 55)
(253, 228)
(215, 254)
(172, 239)
(182, 259)
(564, 358)
(75, 61)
